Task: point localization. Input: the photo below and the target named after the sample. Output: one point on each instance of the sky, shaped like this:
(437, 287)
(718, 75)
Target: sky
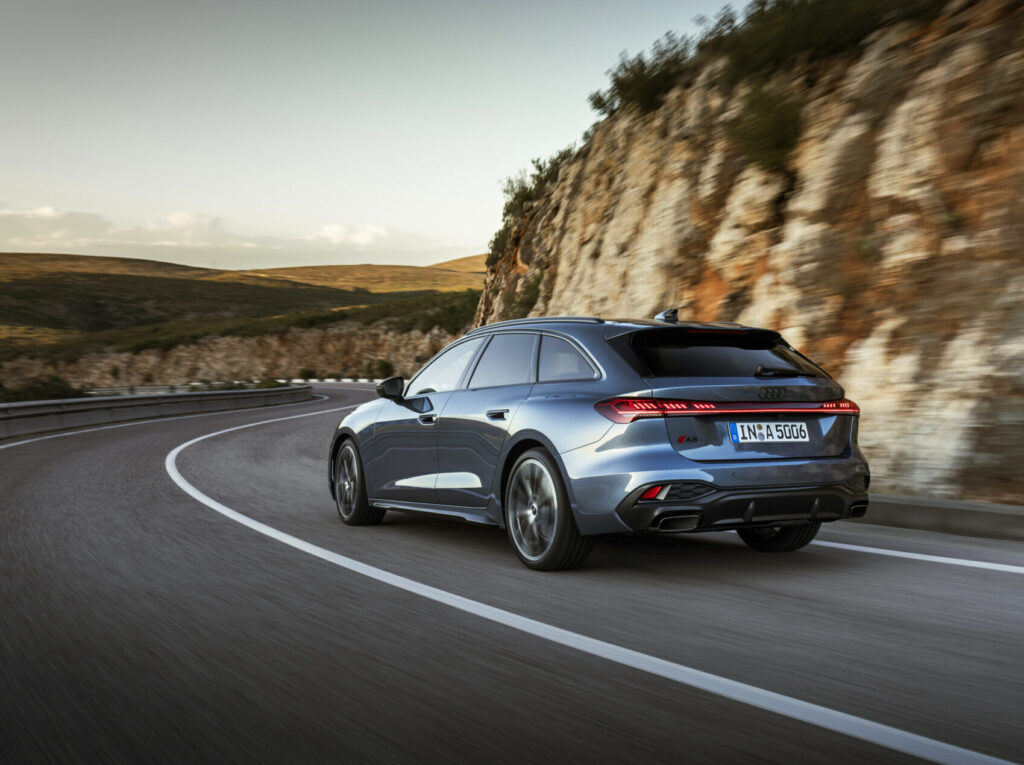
(259, 133)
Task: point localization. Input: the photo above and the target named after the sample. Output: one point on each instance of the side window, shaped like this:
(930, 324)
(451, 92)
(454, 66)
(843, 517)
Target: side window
(560, 361)
(443, 373)
(508, 360)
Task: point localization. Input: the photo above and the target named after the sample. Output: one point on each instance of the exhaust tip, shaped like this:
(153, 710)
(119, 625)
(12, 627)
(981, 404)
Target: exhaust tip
(674, 524)
(858, 509)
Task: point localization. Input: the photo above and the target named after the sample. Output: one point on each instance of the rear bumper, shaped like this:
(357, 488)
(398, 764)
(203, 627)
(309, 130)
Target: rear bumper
(606, 479)
(721, 509)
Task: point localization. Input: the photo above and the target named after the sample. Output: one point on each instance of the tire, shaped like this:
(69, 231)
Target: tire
(350, 488)
(538, 517)
(780, 538)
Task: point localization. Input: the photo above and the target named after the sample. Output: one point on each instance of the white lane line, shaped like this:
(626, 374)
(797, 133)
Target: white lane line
(153, 419)
(803, 711)
(1004, 567)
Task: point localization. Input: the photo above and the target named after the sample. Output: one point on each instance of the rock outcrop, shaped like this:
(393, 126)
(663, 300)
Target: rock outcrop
(344, 349)
(890, 247)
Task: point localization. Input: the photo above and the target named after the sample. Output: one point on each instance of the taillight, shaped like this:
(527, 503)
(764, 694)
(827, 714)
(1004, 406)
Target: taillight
(629, 409)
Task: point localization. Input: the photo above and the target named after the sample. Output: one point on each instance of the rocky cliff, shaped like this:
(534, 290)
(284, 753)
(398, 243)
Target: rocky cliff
(889, 245)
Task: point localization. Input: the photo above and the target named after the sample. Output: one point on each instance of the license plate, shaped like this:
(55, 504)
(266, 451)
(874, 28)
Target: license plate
(768, 432)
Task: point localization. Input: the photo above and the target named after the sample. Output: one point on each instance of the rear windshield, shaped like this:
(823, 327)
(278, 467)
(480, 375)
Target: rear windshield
(687, 353)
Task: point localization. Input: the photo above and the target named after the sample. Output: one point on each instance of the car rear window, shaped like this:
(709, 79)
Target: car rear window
(711, 353)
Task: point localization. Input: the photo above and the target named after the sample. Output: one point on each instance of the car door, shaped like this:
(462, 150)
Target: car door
(401, 458)
(475, 420)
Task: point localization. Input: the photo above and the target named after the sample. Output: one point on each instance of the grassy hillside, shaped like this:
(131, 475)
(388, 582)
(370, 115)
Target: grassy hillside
(450, 311)
(378, 278)
(66, 305)
(96, 301)
(476, 264)
(45, 296)
(32, 265)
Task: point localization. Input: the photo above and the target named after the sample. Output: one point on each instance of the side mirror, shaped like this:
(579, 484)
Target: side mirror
(391, 388)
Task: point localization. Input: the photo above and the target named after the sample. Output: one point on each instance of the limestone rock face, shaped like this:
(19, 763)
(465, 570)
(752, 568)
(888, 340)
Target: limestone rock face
(890, 248)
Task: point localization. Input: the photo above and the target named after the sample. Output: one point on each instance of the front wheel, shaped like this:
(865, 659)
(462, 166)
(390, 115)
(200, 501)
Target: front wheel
(780, 538)
(350, 489)
(538, 517)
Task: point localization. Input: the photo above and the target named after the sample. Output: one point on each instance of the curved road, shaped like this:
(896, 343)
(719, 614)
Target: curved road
(139, 624)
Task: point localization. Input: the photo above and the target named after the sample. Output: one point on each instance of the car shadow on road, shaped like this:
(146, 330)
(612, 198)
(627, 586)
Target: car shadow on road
(663, 556)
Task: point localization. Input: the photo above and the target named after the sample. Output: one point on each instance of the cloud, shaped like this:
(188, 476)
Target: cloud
(198, 239)
(338, 233)
(45, 227)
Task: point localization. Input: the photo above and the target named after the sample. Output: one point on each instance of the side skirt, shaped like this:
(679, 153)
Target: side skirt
(468, 514)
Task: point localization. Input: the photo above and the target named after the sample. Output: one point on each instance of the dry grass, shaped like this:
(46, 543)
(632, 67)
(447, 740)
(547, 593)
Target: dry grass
(475, 264)
(24, 335)
(32, 265)
(377, 278)
(68, 302)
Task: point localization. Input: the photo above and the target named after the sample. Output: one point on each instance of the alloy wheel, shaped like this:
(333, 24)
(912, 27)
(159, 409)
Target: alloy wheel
(346, 486)
(533, 509)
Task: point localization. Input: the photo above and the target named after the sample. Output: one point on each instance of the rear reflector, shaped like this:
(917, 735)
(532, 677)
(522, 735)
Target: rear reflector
(651, 493)
(630, 409)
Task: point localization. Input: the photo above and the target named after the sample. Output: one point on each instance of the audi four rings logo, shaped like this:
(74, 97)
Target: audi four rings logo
(772, 394)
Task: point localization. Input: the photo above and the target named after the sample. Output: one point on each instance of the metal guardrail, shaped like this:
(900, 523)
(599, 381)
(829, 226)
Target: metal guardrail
(27, 417)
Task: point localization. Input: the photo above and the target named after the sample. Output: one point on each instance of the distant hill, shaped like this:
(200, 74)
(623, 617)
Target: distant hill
(378, 278)
(49, 297)
(476, 264)
(31, 265)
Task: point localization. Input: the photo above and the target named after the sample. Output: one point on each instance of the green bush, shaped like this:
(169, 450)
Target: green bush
(767, 129)
(383, 368)
(522, 189)
(498, 243)
(41, 389)
(776, 34)
(306, 373)
(770, 36)
(644, 80)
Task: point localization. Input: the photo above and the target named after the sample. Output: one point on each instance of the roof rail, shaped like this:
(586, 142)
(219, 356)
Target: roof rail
(540, 320)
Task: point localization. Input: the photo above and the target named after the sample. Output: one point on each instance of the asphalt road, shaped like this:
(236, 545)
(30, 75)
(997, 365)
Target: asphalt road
(139, 625)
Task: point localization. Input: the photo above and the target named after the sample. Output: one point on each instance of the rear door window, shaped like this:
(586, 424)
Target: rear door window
(560, 361)
(507, 360)
(687, 353)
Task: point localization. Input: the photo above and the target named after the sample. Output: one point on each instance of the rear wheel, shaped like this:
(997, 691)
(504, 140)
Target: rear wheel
(779, 538)
(350, 489)
(538, 517)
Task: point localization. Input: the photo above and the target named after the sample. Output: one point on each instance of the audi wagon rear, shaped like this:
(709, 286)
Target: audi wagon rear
(560, 429)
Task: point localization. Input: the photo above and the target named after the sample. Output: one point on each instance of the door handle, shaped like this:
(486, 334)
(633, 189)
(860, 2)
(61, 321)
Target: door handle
(427, 419)
(496, 414)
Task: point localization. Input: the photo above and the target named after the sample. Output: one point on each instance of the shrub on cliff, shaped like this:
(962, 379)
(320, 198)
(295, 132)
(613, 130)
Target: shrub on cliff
(644, 80)
(522, 189)
(767, 129)
(770, 36)
(776, 34)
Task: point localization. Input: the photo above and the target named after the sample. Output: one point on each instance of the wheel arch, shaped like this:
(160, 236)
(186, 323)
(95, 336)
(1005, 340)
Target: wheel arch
(522, 443)
(340, 437)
